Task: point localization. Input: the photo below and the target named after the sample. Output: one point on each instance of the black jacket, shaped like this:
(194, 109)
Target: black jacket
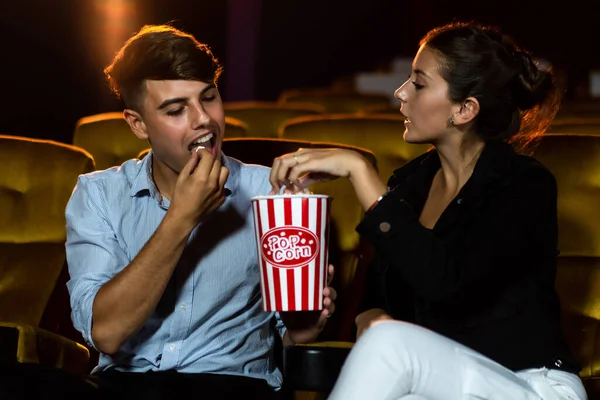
(484, 276)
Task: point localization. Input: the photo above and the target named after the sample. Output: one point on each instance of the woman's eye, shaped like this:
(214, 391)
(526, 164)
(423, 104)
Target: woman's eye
(417, 85)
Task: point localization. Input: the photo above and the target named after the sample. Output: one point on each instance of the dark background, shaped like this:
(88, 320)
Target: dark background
(53, 52)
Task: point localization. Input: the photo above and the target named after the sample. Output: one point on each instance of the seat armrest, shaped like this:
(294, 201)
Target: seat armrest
(315, 366)
(27, 344)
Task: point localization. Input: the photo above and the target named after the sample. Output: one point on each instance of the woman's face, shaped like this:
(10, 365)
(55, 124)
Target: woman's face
(424, 101)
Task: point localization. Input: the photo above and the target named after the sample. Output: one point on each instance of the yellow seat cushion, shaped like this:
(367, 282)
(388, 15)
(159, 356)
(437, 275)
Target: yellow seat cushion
(578, 285)
(29, 272)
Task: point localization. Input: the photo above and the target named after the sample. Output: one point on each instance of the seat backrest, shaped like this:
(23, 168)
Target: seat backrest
(263, 118)
(579, 109)
(334, 101)
(381, 134)
(346, 247)
(38, 179)
(387, 109)
(108, 137)
(575, 162)
(577, 126)
(143, 153)
(235, 127)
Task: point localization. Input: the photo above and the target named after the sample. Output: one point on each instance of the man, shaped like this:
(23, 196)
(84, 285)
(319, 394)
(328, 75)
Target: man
(161, 252)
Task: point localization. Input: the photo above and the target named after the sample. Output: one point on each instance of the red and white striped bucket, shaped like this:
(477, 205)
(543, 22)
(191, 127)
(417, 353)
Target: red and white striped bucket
(292, 234)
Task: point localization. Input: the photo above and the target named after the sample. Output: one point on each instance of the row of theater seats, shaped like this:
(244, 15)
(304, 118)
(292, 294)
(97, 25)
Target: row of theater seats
(106, 140)
(35, 185)
(108, 136)
(40, 176)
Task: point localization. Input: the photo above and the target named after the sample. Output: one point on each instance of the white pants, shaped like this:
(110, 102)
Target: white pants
(398, 360)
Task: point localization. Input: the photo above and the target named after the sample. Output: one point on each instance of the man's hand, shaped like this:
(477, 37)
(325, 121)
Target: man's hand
(199, 187)
(305, 326)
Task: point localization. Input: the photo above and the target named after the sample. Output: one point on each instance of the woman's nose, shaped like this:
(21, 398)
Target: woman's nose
(400, 93)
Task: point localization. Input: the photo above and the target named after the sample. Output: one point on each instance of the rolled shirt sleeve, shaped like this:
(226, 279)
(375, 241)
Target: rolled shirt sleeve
(94, 255)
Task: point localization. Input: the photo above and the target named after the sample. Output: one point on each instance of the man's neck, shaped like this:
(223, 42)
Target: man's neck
(164, 178)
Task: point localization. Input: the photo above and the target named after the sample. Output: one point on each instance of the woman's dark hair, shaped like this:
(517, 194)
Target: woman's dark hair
(517, 100)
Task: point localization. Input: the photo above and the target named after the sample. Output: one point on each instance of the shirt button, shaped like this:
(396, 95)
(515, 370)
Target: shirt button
(459, 201)
(171, 347)
(384, 227)
(183, 306)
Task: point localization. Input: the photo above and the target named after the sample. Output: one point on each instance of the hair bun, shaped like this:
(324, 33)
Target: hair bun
(531, 85)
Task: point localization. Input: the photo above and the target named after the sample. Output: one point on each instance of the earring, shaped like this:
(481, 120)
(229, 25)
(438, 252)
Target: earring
(452, 120)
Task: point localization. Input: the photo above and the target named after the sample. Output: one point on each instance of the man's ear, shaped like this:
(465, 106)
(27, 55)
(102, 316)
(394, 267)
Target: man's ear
(136, 123)
(467, 112)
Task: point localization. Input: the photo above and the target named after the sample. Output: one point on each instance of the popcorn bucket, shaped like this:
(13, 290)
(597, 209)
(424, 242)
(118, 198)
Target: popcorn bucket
(292, 235)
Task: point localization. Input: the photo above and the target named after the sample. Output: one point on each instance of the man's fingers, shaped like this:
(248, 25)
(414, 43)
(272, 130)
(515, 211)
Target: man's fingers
(189, 166)
(224, 174)
(330, 293)
(330, 272)
(205, 164)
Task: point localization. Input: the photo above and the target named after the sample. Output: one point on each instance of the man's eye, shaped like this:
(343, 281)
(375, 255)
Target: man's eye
(175, 112)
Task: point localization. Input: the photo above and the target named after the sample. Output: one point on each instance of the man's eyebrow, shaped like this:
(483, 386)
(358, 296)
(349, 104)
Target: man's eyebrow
(174, 100)
(207, 88)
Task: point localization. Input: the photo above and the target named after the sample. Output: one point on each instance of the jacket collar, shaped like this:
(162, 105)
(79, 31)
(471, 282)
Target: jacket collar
(492, 165)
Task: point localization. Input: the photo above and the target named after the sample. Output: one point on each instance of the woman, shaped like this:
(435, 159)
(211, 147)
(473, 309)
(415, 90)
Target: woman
(461, 301)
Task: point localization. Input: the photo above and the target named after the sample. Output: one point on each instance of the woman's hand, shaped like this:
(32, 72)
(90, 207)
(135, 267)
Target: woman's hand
(297, 171)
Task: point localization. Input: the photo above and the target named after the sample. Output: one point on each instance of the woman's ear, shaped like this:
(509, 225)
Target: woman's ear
(136, 123)
(467, 112)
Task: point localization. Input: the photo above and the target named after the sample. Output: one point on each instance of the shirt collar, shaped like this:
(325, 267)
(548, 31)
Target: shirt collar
(142, 181)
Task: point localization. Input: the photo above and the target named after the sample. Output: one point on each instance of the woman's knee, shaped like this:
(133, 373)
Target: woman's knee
(385, 335)
(386, 331)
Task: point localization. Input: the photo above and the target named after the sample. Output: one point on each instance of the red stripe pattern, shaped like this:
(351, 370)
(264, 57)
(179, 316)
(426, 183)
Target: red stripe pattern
(292, 244)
